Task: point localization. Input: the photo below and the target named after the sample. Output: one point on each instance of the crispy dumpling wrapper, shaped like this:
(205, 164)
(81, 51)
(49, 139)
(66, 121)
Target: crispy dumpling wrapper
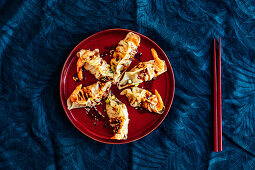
(139, 97)
(124, 54)
(88, 96)
(118, 117)
(143, 71)
(92, 62)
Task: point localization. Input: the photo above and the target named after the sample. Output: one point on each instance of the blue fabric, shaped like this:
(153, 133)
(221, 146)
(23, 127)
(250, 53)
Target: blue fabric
(36, 37)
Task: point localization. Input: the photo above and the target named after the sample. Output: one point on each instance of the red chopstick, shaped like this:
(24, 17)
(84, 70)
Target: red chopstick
(219, 100)
(217, 110)
(215, 117)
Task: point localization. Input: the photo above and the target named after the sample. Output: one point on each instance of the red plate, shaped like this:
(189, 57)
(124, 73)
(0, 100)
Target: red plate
(141, 122)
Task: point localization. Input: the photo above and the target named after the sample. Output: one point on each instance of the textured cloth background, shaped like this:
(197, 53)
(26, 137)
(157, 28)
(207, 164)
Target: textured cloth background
(36, 37)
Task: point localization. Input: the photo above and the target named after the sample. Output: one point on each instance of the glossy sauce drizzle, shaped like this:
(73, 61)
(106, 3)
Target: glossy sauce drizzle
(149, 84)
(138, 56)
(109, 50)
(141, 110)
(94, 114)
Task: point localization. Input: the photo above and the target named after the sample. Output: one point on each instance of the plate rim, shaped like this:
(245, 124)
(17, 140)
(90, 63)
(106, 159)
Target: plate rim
(62, 82)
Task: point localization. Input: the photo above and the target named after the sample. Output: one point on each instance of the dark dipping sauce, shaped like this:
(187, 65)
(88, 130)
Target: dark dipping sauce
(138, 56)
(109, 50)
(141, 110)
(149, 84)
(75, 77)
(94, 114)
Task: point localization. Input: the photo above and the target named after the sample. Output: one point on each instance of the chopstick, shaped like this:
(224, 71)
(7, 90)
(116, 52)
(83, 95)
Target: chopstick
(219, 100)
(215, 116)
(217, 110)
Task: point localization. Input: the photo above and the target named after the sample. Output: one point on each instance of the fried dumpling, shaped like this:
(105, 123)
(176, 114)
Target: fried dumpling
(118, 117)
(124, 54)
(143, 71)
(92, 62)
(88, 96)
(139, 97)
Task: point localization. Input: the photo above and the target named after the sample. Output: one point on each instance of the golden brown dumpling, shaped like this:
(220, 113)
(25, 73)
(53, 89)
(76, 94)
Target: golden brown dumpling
(88, 96)
(124, 54)
(118, 117)
(139, 97)
(92, 62)
(143, 71)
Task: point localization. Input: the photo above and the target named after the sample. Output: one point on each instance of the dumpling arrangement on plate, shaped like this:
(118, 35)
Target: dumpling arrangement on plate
(115, 73)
